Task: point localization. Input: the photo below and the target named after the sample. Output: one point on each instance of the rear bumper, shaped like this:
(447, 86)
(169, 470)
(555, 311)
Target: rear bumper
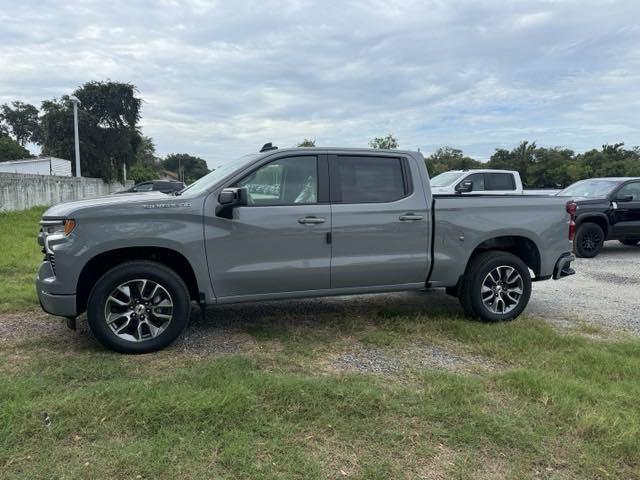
(563, 266)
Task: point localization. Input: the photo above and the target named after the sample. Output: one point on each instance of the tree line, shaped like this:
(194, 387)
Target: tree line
(539, 167)
(111, 140)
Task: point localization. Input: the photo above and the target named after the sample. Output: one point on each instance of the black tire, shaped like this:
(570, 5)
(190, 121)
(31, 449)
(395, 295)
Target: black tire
(131, 273)
(630, 242)
(471, 289)
(589, 240)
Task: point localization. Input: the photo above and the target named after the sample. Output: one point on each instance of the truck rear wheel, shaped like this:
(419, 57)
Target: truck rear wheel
(138, 307)
(589, 240)
(496, 287)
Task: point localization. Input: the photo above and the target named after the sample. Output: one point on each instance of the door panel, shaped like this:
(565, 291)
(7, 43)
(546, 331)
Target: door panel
(266, 250)
(627, 214)
(278, 243)
(377, 242)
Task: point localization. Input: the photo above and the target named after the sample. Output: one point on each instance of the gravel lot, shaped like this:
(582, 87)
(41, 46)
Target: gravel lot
(604, 292)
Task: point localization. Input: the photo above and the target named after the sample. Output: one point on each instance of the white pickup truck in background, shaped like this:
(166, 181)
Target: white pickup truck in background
(482, 181)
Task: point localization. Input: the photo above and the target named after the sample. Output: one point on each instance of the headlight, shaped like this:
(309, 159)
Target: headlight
(58, 227)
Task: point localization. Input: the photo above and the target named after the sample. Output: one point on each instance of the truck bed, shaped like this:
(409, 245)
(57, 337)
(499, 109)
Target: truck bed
(462, 223)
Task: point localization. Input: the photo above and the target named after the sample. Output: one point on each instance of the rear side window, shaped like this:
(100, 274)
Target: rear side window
(500, 181)
(368, 179)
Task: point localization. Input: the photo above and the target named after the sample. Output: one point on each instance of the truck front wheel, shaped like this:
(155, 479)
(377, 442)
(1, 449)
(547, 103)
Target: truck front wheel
(138, 307)
(496, 287)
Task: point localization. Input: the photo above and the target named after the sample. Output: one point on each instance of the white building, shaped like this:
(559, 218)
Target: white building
(38, 166)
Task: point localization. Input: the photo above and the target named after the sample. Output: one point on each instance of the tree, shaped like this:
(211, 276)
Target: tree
(146, 152)
(141, 172)
(11, 150)
(307, 143)
(384, 143)
(22, 122)
(188, 167)
(449, 158)
(108, 123)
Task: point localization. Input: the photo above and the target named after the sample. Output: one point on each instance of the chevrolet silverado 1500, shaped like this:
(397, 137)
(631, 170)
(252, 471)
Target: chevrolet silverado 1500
(293, 223)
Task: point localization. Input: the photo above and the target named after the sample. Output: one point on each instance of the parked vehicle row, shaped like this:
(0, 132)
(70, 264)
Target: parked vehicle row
(335, 222)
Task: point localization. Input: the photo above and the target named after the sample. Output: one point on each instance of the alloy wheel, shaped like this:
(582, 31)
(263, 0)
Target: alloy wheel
(502, 289)
(138, 310)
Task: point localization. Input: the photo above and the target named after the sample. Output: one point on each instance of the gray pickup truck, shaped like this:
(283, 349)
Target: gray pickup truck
(293, 223)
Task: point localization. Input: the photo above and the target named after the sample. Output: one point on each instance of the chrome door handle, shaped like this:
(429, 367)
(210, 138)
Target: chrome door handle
(311, 220)
(410, 217)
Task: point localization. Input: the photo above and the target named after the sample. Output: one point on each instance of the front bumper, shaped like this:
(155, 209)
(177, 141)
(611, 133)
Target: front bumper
(563, 266)
(53, 303)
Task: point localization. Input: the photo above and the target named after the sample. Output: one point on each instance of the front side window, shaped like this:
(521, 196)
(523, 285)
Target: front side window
(478, 181)
(500, 181)
(630, 190)
(367, 180)
(286, 181)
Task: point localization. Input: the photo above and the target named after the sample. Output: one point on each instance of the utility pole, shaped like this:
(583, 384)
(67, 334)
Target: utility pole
(76, 102)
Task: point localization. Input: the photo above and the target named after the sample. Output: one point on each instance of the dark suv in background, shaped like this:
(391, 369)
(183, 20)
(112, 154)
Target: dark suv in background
(164, 186)
(607, 209)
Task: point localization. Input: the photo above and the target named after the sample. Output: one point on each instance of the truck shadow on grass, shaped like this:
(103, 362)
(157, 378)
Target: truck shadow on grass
(224, 328)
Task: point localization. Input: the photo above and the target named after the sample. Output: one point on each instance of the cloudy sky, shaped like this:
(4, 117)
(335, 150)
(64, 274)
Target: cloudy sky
(219, 78)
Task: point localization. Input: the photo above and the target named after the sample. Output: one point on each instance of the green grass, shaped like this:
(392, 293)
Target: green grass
(564, 406)
(19, 259)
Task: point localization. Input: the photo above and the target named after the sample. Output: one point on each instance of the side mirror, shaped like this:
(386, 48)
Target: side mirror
(230, 198)
(465, 186)
(624, 198)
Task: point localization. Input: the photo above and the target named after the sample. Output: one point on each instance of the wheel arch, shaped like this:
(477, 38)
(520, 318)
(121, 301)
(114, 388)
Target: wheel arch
(600, 220)
(520, 246)
(105, 261)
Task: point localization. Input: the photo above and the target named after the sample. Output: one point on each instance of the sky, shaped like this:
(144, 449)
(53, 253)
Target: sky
(220, 78)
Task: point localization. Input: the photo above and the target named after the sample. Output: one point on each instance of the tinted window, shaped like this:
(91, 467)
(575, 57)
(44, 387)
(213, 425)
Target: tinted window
(477, 179)
(285, 181)
(367, 180)
(630, 190)
(500, 181)
(144, 187)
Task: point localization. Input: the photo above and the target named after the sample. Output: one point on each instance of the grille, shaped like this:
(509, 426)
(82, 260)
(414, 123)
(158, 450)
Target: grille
(52, 261)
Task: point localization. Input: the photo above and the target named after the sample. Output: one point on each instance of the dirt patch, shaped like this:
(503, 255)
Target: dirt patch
(410, 358)
(24, 325)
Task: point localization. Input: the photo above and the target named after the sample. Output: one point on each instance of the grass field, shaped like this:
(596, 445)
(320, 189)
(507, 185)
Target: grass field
(20, 256)
(531, 403)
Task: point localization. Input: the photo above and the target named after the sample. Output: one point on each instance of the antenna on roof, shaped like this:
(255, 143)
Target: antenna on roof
(268, 146)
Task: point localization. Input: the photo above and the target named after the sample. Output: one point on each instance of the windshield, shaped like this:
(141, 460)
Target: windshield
(589, 188)
(445, 179)
(219, 173)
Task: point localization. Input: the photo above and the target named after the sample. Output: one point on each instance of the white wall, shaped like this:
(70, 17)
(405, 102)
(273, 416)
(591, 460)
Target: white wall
(38, 166)
(20, 191)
